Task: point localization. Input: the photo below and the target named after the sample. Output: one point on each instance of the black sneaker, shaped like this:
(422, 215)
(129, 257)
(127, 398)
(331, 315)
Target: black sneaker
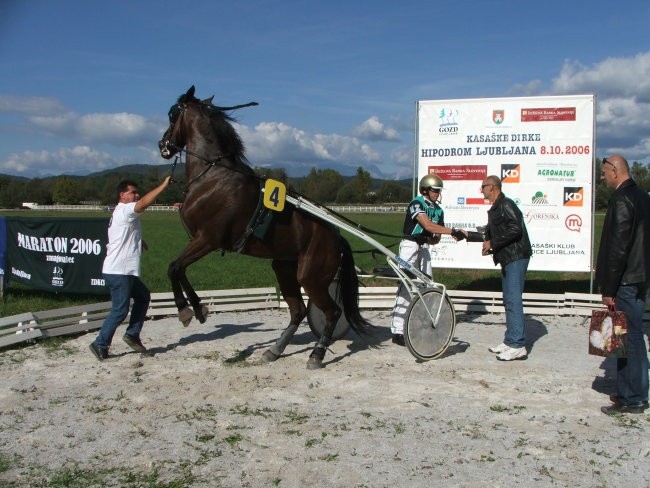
(614, 399)
(100, 353)
(134, 343)
(620, 408)
(399, 339)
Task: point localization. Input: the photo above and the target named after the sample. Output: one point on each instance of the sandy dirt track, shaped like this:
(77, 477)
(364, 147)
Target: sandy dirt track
(203, 412)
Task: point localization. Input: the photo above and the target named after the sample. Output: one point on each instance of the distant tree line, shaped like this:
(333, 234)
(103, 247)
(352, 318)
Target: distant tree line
(640, 174)
(321, 185)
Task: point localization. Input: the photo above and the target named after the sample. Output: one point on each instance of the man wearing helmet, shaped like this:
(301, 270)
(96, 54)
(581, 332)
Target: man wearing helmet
(424, 223)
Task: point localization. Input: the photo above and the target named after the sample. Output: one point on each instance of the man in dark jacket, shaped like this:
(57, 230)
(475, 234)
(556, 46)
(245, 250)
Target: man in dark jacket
(506, 238)
(623, 275)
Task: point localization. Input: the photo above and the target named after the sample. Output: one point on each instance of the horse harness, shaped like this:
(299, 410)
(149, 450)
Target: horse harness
(261, 219)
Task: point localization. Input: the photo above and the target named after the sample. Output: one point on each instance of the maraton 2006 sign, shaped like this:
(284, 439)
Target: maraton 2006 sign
(63, 254)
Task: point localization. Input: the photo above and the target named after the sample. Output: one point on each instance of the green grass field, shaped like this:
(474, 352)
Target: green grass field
(166, 237)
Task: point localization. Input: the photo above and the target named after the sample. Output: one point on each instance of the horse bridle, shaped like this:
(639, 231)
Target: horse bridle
(177, 111)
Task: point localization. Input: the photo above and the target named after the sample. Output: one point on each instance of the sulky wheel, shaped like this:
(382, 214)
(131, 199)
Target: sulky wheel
(424, 340)
(316, 318)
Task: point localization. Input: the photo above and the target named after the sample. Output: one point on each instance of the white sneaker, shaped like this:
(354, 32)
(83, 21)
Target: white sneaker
(499, 349)
(513, 353)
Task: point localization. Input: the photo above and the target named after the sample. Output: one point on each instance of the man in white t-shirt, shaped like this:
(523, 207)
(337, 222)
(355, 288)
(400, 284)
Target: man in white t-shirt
(121, 268)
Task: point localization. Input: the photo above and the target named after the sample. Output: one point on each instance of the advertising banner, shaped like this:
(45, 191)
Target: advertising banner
(57, 254)
(540, 147)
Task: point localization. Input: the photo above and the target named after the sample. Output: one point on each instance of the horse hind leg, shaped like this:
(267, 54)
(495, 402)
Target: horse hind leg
(332, 314)
(298, 313)
(285, 272)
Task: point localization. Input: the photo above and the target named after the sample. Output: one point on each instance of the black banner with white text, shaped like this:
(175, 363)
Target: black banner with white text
(57, 254)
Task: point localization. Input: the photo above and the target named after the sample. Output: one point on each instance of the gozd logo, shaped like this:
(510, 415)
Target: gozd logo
(510, 173)
(573, 196)
(448, 120)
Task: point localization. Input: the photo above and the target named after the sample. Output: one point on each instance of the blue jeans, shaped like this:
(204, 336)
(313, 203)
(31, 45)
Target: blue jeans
(632, 371)
(513, 276)
(123, 288)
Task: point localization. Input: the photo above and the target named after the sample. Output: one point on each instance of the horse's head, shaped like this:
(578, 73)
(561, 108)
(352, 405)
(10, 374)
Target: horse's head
(200, 120)
(173, 140)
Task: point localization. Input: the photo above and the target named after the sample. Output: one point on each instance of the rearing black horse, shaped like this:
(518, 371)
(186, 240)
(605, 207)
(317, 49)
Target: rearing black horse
(222, 197)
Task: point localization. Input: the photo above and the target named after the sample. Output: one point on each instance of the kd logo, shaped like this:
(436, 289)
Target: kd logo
(573, 197)
(510, 173)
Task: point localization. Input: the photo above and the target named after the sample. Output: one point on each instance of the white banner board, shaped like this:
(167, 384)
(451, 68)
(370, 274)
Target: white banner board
(541, 148)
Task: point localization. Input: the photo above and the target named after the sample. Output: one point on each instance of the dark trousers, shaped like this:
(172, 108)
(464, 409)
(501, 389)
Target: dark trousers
(632, 371)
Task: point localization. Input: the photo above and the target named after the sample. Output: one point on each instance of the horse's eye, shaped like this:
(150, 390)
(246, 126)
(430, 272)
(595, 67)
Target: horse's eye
(173, 113)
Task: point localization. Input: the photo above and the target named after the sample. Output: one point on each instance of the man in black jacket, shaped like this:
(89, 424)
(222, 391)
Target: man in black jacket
(506, 238)
(623, 275)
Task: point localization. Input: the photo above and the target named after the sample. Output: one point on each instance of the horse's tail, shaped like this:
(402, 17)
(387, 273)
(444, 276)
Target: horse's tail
(349, 290)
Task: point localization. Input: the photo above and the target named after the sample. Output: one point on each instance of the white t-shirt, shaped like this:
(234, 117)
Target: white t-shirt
(124, 241)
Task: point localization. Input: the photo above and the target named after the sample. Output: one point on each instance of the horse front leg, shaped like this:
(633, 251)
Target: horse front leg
(285, 271)
(200, 311)
(182, 287)
(185, 313)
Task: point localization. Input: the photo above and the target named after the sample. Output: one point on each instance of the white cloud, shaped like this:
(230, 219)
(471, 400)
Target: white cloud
(612, 77)
(622, 88)
(373, 130)
(69, 159)
(274, 142)
(119, 129)
(77, 159)
(533, 87)
(278, 142)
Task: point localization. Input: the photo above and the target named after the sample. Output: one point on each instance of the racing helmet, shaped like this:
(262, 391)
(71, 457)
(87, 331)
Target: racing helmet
(431, 181)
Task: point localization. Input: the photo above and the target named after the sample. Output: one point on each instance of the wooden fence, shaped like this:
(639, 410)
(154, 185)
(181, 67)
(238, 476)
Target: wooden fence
(30, 326)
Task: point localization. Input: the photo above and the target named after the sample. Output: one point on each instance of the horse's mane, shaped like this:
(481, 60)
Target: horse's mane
(231, 144)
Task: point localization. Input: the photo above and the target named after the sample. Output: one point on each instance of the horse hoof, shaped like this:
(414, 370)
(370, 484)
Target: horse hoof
(203, 314)
(269, 357)
(315, 363)
(185, 316)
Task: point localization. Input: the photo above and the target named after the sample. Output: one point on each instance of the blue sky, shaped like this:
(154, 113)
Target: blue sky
(85, 86)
